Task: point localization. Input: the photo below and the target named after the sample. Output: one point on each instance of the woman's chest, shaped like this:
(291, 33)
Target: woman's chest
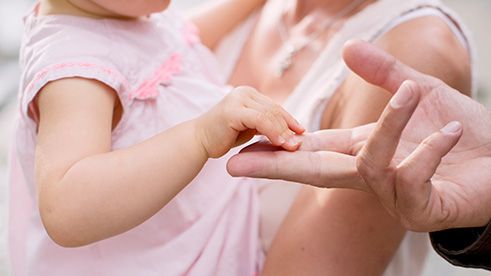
(267, 63)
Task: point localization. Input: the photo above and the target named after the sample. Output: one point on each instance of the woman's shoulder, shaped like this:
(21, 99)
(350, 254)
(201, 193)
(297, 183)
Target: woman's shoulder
(428, 44)
(425, 43)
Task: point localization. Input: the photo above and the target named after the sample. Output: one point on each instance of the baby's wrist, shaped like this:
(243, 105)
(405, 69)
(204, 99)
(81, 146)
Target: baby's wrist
(200, 137)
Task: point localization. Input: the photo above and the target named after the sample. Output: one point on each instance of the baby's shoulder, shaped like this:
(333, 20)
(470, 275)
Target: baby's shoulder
(126, 55)
(63, 41)
(58, 47)
(122, 44)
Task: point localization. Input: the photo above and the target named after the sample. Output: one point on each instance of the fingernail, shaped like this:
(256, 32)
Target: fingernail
(293, 141)
(452, 128)
(281, 140)
(402, 97)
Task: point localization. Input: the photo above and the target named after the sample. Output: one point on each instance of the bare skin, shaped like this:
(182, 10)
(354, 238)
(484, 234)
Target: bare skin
(426, 159)
(231, 12)
(82, 183)
(341, 220)
(367, 218)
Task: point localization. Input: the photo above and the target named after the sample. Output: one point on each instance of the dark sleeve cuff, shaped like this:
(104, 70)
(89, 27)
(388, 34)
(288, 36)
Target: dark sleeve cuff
(467, 247)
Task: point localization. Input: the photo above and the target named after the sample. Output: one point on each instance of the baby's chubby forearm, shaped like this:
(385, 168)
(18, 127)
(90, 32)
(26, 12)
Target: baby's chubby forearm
(88, 192)
(104, 195)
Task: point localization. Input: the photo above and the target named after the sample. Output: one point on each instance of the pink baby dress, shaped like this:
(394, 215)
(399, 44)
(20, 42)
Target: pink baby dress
(162, 76)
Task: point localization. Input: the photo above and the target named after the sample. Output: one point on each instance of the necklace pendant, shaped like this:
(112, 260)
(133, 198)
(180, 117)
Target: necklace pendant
(284, 65)
(286, 61)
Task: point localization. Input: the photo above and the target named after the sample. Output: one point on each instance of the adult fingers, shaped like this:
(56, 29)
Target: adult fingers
(378, 67)
(377, 154)
(413, 179)
(346, 141)
(338, 140)
(321, 169)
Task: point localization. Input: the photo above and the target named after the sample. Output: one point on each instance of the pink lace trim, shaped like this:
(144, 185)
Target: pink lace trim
(163, 76)
(191, 34)
(41, 75)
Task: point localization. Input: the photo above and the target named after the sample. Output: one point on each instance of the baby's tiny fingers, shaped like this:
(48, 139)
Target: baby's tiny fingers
(277, 125)
(270, 125)
(292, 123)
(280, 123)
(253, 119)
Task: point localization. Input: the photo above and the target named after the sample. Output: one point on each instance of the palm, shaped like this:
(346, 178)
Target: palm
(457, 180)
(404, 171)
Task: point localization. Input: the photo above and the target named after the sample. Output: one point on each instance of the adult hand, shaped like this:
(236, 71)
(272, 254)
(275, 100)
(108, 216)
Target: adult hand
(416, 165)
(325, 158)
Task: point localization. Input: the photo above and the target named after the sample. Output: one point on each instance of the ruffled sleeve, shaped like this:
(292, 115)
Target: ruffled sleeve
(69, 69)
(53, 50)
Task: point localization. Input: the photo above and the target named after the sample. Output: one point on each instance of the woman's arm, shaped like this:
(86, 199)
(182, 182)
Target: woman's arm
(340, 232)
(216, 19)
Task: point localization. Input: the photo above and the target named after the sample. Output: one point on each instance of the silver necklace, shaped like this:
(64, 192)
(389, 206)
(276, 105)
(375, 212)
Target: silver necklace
(291, 50)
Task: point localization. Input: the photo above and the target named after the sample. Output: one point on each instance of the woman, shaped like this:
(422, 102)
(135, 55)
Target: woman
(291, 51)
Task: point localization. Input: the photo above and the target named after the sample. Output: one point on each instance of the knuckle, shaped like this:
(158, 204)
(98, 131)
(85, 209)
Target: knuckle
(261, 118)
(430, 146)
(381, 76)
(276, 169)
(226, 106)
(246, 90)
(366, 168)
(276, 113)
(315, 161)
(387, 124)
(267, 115)
(232, 96)
(403, 177)
(277, 110)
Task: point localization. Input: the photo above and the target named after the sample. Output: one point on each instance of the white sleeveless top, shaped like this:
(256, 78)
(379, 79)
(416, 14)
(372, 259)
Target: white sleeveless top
(309, 98)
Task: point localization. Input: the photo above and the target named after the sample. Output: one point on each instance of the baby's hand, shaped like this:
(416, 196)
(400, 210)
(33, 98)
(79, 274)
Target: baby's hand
(242, 114)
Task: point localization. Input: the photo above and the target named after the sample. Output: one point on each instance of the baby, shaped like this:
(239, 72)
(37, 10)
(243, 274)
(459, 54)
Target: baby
(120, 109)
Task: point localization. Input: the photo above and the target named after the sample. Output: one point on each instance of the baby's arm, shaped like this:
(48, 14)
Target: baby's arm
(215, 20)
(88, 192)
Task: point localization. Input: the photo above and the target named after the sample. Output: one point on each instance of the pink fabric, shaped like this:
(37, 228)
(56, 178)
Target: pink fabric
(161, 79)
(42, 75)
(191, 34)
(163, 76)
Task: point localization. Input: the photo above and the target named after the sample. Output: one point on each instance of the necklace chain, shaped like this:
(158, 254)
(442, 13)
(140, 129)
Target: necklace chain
(291, 50)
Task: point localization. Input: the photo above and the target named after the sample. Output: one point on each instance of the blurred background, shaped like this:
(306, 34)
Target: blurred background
(475, 13)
